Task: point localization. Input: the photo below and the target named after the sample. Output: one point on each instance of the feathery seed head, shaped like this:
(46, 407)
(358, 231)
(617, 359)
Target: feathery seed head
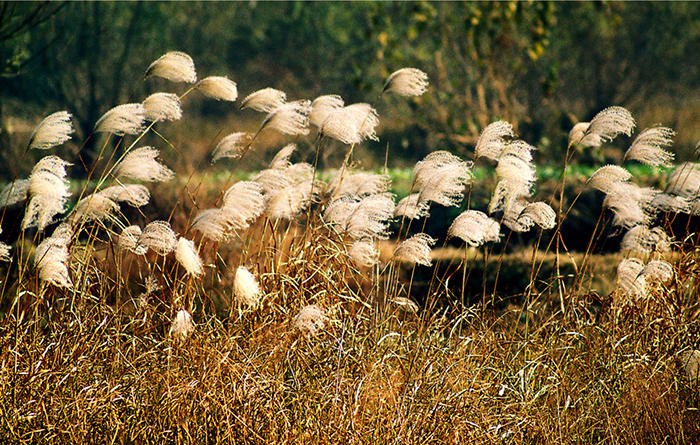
(364, 253)
(630, 279)
(644, 240)
(407, 82)
(513, 217)
(412, 207)
(243, 203)
(291, 118)
(213, 224)
(605, 177)
(474, 228)
(684, 180)
(160, 107)
(406, 304)
(187, 255)
(219, 88)
(54, 130)
(351, 124)
(159, 237)
(141, 164)
(246, 290)
(310, 320)
(182, 326)
(648, 147)
(578, 136)
(136, 195)
(264, 100)
(358, 183)
(94, 207)
(290, 201)
(657, 271)
(51, 260)
(518, 149)
(281, 159)
(175, 66)
(322, 106)
(663, 202)
(48, 190)
(630, 204)
(415, 249)
(122, 119)
(232, 146)
(492, 140)
(366, 217)
(611, 122)
(5, 252)
(129, 240)
(541, 214)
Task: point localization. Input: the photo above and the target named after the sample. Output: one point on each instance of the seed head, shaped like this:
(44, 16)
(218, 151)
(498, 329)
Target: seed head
(160, 107)
(415, 250)
(648, 147)
(412, 207)
(291, 118)
(175, 66)
(122, 119)
(14, 192)
(129, 240)
(310, 320)
(322, 106)
(136, 195)
(630, 279)
(187, 255)
(578, 136)
(281, 159)
(492, 140)
(246, 290)
(364, 253)
(264, 100)
(182, 326)
(219, 88)
(159, 237)
(605, 177)
(474, 228)
(141, 164)
(407, 82)
(232, 146)
(610, 123)
(54, 130)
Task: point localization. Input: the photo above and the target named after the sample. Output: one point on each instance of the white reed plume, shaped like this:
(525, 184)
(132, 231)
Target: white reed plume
(658, 271)
(507, 191)
(513, 217)
(122, 119)
(213, 224)
(447, 184)
(141, 164)
(281, 159)
(412, 207)
(219, 88)
(366, 217)
(605, 177)
(407, 82)
(182, 326)
(578, 136)
(629, 202)
(136, 195)
(358, 183)
(310, 320)
(684, 180)
(48, 190)
(518, 149)
(94, 207)
(14, 192)
(364, 253)
(51, 260)
(232, 146)
(264, 100)
(663, 202)
(406, 304)
(492, 140)
(351, 124)
(475, 228)
(541, 214)
(243, 203)
(322, 106)
(514, 169)
(416, 249)
(54, 130)
(644, 240)
(175, 66)
(611, 122)
(629, 278)
(160, 107)
(186, 253)
(648, 147)
(273, 180)
(424, 170)
(63, 232)
(246, 290)
(129, 240)
(159, 237)
(291, 118)
(292, 200)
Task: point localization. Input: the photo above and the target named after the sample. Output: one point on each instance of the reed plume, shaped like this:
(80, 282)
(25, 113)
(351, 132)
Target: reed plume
(122, 119)
(657, 271)
(246, 290)
(644, 240)
(51, 261)
(219, 88)
(94, 207)
(579, 136)
(5, 250)
(310, 320)
(474, 228)
(406, 304)
(407, 82)
(141, 164)
(611, 122)
(492, 140)
(281, 159)
(322, 106)
(630, 204)
(186, 253)
(664, 202)
(175, 66)
(48, 190)
(129, 240)
(606, 177)
(364, 253)
(160, 107)
(54, 130)
(412, 207)
(182, 326)
(541, 214)
(416, 249)
(136, 195)
(351, 124)
(232, 146)
(159, 237)
(361, 218)
(243, 202)
(684, 180)
(358, 183)
(630, 279)
(264, 100)
(291, 118)
(648, 147)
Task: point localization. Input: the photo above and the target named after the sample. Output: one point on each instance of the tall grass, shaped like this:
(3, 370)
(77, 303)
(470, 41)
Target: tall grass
(289, 308)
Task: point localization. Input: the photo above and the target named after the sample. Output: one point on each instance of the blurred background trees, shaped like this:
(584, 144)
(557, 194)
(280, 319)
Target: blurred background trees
(539, 65)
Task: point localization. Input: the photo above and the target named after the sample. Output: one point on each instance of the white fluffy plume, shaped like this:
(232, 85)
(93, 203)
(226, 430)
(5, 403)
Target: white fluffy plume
(611, 122)
(361, 218)
(644, 240)
(684, 180)
(630, 204)
(14, 192)
(407, 82)
(232, 146)
(246, 289)
(54, 130)
(441, 177)
(493, 139)
(412, 207)
(129, 240)
(415, 250)
(630, 279)
(186, 253)
(606, 177)
(364, 253)
(159, 237)
(291, 118)
(346, 182)
(474, 228)
(264, 100)
(219, 88)
(352, 124)
(648, 147)
(658, 271)
(281, 159)
(136, 195)
(51, 260)
(310, 320)
(175, 66)
(160, 107)
(578, 136)
(48, 191)
(141, 164)
(122, 119)
(182, 326)
(243, 203)
(322, 106)
(541, 214)
(94, 207)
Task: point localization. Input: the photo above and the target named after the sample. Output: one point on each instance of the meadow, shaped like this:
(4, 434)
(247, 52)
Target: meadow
(480, 300)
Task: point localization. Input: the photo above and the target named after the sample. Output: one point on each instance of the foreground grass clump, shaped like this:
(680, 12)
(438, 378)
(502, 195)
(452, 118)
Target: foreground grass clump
(95, 375)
